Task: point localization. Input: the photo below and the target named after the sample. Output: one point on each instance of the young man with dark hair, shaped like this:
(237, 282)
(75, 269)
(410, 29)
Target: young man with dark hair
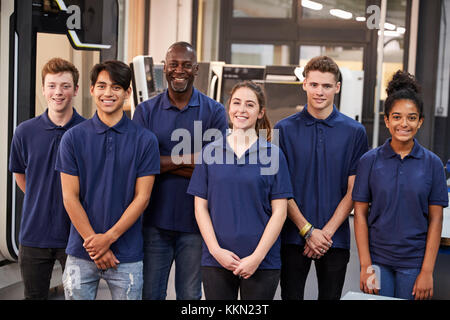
(108, 166)
(170, 230)
(44, 227)
(322, 147)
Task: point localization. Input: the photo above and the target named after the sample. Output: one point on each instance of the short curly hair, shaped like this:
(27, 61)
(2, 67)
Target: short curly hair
(58, 65)
(322, 64)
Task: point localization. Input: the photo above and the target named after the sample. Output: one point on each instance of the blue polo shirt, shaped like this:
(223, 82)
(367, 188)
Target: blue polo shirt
(108, 160)
(400, 192)
(171, 208)
(239, 196)
(321, 155)
(44, 222)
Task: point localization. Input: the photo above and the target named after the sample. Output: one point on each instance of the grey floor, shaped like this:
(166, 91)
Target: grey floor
(351, 279)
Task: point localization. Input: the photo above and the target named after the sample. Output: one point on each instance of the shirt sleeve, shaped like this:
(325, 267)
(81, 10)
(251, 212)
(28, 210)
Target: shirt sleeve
(439, 191)
(281, 187)
(138, 116)
(149, 163)
(198, 185)
(361, 147)
(361, 189)
(220, 121)
(65, 160)
(17, 157)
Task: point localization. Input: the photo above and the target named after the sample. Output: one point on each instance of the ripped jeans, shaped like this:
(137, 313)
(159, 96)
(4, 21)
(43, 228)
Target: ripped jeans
(81, 278)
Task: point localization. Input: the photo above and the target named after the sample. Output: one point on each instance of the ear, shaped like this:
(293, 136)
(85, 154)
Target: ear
(420, 122)
(261, 113)
(128, 92)
(386, 121)
(195, 69)
(76, 91)
(304, 84)
(338, 87)
(91, 90)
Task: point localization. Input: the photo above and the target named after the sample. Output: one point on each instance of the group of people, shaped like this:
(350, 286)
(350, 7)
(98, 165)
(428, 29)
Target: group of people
(110, 199)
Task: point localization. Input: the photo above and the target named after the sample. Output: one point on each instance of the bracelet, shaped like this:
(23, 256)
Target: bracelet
(309, 233)
(305, 229)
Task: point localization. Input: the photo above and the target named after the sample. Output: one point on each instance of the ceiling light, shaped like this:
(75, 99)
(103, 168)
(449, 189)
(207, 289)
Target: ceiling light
(341, 14)
(390, 26)
(360, 18)
(311, 5)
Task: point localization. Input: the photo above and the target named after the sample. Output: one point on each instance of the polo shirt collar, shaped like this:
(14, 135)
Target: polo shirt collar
(388, 152)
(194, 101)
(310, 120)
(100, 127)
(260, 143)
(49, 125)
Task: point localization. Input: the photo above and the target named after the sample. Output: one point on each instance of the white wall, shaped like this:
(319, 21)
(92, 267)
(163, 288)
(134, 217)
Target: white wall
(7, 7)
(170, 21)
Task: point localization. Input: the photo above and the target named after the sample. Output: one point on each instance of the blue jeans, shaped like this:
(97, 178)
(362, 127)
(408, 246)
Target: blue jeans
(161, 248)
(397, 282)
(81, 278)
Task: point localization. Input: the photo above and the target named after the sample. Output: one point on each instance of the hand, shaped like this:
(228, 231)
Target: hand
(423, 287)
(247, 267)
(319, 242)
(227, 259)
(97, 244)
(308, 252)
(368, 282)
(106, 261)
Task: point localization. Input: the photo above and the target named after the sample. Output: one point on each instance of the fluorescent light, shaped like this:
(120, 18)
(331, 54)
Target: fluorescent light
(311, 5)
(401, 30)
(360, 18)
(341, 14)
(389, 33)
(390, 26)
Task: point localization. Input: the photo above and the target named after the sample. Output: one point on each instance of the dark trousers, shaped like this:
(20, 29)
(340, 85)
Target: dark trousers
(222, 284)
(330, 270)
(36, 267)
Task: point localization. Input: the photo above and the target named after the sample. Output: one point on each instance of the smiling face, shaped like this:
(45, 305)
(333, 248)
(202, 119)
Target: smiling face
(180, 68)
(403, 121)
(108, 96)
(59, 91)
(244, 109)
(320, 89)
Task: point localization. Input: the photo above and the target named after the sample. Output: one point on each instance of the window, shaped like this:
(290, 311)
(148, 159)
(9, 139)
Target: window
(262, 9)
(259, 54)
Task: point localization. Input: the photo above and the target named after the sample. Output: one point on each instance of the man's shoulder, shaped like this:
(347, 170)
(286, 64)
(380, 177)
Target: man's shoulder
(291, 120)
(29, 126)
(206, 100)
(346, 121)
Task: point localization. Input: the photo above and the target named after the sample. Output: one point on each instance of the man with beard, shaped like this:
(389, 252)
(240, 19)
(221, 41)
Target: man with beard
(170, 230)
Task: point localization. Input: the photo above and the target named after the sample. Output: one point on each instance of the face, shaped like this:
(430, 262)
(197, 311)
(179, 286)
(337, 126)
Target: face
(108, 96)
(244, 109)
(403, 121)
(320, 89)
(181, 69)
(59, 91)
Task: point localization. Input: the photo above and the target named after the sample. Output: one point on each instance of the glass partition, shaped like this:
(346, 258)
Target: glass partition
(281, 9)
(259, 54)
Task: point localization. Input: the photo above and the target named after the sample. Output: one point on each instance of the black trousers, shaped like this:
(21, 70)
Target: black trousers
(330, 270)
(36, 267)
(222, 284)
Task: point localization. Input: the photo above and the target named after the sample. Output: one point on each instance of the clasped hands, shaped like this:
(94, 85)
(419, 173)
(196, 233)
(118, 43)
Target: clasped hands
(97, 246)
(244, 267)
(318, 244)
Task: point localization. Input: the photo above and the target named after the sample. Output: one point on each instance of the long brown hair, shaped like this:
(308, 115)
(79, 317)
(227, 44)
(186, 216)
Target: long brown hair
(263, 123)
